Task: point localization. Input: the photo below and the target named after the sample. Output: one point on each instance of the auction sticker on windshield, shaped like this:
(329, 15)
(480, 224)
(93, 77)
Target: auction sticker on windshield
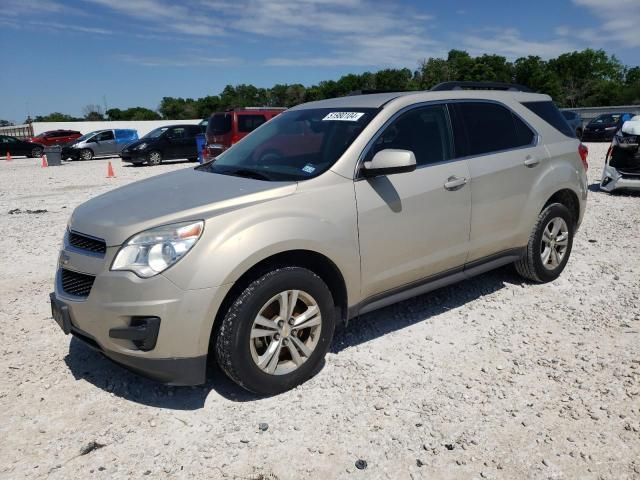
(344, 116)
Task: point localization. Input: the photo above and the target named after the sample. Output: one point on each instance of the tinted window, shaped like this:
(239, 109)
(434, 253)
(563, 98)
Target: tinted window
(248, 123)
(489, 127)
(424, 131)
(568, 115)
(550, 114)
(195, 130)
(104, 136)
(219, 124)
(178, 132)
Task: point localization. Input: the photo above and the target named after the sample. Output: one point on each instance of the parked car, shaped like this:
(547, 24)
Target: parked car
(17, 147)
(227, 128)
(255, 257)
(622, 164)
(604, 126)
(164, 143)
(574, 119)
(101, 143)
(56, 137)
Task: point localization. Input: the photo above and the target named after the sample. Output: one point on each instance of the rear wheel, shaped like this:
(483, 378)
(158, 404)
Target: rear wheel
(277, 331)
(154, 158)
(549, 245)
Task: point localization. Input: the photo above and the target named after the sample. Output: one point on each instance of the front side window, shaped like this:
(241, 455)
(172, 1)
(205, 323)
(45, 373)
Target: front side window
(295, 145)
(423, 130)
(104, 136)
(248, 123)
(483, 127)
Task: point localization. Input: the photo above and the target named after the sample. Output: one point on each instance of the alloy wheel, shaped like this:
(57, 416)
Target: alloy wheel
(555, 240)
(285, 332)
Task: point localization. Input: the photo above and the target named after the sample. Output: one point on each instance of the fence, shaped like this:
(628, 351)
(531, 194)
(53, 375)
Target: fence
(20, 131)
(36, 128)
(588, 113)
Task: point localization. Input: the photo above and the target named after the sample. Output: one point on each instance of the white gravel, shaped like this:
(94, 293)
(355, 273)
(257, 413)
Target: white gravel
(491, 378)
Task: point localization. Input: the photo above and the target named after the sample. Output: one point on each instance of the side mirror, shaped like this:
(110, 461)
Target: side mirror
(388, 162)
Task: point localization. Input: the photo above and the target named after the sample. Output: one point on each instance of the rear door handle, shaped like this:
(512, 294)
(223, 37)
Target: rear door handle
(531, 161)
(455, 183)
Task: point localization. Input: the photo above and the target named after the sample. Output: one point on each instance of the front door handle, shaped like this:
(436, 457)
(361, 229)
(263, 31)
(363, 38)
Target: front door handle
(531, 161)
(455, 183)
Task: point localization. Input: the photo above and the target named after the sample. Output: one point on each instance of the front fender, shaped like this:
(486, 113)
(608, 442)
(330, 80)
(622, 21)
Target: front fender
(322, 220)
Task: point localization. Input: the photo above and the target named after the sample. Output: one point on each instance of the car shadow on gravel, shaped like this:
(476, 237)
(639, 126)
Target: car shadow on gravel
(420, 309)
(93, 367)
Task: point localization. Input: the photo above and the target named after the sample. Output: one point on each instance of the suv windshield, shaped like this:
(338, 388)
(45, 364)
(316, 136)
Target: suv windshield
(295, 145)
(156, 133)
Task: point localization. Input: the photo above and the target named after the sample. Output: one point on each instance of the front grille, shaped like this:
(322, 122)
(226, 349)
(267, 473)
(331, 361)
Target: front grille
(90, 244)
(78, 284)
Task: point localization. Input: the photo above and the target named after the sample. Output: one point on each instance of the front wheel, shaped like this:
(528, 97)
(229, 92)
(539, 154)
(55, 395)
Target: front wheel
(36, 152)
(86, 154)
(549, 245)
(277, 331)
(154, 158)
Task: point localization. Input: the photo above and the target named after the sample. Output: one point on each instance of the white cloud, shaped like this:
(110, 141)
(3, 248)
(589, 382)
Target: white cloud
(620, 21)
(189, 60)
(510, 43)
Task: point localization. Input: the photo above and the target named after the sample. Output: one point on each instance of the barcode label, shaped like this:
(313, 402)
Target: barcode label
(344, 116)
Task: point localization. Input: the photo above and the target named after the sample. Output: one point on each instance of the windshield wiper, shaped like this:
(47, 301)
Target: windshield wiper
(246, 173)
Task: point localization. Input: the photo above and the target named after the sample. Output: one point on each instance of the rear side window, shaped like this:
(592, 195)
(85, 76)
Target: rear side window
(219, 124)
(550, 114)
(488, 127)
(248, 123)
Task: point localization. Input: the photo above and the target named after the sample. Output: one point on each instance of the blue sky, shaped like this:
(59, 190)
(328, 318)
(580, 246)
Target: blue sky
(61, 55)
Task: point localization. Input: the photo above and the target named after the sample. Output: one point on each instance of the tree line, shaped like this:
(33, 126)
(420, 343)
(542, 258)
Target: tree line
(588, 78)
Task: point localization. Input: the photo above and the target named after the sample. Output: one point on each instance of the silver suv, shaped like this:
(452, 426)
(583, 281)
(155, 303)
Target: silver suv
(328, 211)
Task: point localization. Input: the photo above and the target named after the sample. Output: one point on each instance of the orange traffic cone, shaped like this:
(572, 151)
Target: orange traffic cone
(110, 173)
(8, 156)
(45, 163)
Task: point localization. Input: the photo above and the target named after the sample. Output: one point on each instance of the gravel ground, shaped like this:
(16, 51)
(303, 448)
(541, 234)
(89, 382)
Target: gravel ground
(491, 378)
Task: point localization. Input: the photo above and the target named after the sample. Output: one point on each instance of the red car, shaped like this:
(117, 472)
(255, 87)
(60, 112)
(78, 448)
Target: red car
(226, 128)
(55, 137)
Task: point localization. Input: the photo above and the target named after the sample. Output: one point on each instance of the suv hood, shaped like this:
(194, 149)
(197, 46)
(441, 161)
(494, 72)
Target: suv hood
(173, 197)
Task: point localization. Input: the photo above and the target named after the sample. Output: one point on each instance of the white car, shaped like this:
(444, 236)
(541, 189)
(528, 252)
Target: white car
(622, 165)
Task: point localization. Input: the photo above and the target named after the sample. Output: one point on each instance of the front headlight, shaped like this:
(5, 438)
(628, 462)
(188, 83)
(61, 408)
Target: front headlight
(142, 146)
(153, 251)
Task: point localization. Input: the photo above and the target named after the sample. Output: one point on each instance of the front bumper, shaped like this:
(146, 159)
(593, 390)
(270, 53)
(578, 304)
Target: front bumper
(614, 179)
(133, 156)
(117, 318)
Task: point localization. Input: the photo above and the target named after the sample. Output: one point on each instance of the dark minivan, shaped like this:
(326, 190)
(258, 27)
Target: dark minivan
(164, 143)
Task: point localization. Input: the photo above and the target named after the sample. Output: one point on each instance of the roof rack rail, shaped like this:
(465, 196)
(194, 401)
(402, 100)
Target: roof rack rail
(509, 87)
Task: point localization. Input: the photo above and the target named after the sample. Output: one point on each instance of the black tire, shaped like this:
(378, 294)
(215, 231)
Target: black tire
(85, 154)
(154, 157)
(36, 152)
(232, 344)
(531, 266)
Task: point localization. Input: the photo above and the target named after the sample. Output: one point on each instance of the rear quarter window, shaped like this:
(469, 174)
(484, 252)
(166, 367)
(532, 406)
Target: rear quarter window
(550, 114)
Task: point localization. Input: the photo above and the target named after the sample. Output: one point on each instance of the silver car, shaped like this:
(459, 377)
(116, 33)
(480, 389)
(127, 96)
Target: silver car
(330, 210)
(100, 143)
